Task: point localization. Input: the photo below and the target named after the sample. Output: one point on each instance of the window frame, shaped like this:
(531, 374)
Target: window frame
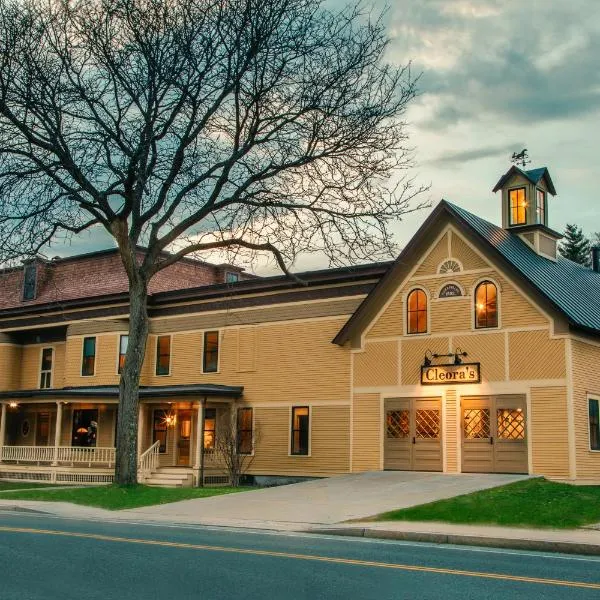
(30, 267)
(474, 305)
(234, 274)
(292, 431)
(407, 312)
(203, 361)
(213, 430)
(89, 337)
(42, 371)
(510, 208)
(119, 339)
(156, 355)
(593, 398)
(543, 212)
(238, 430)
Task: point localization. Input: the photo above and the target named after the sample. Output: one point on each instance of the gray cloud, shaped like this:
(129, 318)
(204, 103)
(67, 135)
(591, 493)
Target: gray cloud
(452, 158)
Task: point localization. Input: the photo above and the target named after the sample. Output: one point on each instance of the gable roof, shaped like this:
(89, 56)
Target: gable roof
(571, 289)
(533, 175)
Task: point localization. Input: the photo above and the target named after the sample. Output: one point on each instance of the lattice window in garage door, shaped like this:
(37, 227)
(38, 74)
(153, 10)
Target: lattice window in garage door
(511, 424)
(398, 423)
(427, 424)
(476, 423)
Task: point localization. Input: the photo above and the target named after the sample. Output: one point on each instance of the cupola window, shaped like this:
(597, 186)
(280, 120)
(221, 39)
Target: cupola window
(486, 305)
(417, 312)
(518, 206)
(541, 207)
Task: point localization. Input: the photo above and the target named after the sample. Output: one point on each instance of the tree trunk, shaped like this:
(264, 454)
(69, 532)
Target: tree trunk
(127, 426)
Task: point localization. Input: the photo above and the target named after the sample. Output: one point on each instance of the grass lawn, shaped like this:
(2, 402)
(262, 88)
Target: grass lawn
(114, 497)
(531, 503)
(19, 485)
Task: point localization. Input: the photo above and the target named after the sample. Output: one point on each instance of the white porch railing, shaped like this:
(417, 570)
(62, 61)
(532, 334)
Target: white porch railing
(61, 454)
(148, 461)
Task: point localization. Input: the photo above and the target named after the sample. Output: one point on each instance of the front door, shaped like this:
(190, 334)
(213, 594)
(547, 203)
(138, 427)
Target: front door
(494, 434)
(413, 434)
(184, 430)
(42, 429)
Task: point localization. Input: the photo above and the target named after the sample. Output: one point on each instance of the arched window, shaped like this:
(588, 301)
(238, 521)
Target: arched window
(417, 312)
(486, 305)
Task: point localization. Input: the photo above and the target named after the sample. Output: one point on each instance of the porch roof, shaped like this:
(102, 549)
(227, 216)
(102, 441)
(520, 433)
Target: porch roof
(103, 391)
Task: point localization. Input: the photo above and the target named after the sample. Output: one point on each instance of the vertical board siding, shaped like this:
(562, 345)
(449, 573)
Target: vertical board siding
(366, 432)
(586, 363)
(549, 435)
(534, 355)
(377, 365)
(329, 442)
(450, 432)
(487, 349)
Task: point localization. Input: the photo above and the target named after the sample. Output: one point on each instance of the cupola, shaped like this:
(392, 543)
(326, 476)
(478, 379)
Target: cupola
(525, 208)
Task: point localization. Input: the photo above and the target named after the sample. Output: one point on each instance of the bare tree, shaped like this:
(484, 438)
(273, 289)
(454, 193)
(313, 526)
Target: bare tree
(235, 452)
(188, 126)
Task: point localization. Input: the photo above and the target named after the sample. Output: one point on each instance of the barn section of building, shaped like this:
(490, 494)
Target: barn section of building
(475, 351)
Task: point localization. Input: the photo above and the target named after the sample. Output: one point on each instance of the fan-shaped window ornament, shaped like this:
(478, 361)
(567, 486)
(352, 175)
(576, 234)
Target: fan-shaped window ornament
(450, 266)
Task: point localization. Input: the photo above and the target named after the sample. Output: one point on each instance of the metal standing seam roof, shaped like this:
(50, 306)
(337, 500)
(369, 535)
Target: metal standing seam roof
(572, 288)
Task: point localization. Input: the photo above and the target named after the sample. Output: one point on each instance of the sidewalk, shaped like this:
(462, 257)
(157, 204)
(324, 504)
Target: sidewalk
(568, 541)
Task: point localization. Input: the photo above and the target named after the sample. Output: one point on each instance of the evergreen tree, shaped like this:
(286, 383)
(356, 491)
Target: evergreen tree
(575, 246)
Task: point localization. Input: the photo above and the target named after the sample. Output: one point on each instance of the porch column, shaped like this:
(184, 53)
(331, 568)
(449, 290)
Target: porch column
(57, 432)
(2, 429)
(141, 428)
(199, 451)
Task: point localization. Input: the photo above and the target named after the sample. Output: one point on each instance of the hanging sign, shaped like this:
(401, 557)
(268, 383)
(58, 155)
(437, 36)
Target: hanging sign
(444, 374)
(450, 290)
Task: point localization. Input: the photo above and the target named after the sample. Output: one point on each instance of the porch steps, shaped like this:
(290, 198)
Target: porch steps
(170, 477)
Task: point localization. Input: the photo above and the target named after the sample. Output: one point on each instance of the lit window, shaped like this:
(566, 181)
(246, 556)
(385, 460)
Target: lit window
(210, 427)
(417, 312)
(486, 305)
(89, 356)
(46, 369)
(163, 354)
(210, 356)
(518, 207)
(541, 207)
(123, 344)
(300, 426)
(594, 420)
(244, 431)
(231, 277)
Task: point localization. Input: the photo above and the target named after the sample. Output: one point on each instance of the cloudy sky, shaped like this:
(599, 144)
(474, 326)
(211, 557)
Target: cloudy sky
(497, 76)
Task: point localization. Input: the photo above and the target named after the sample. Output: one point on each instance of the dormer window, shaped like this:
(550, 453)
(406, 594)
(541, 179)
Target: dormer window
(231, 277)
(29, 281)
(541, 207)
(518, 206)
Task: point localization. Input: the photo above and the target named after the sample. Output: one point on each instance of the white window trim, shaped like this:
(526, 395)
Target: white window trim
(595, 397)
(405, 311)
(119, 336)
(95, 354)
(169, 335)
(53, 348)
(309, 454)
(498, 301)
(220, 337)
(447, 259)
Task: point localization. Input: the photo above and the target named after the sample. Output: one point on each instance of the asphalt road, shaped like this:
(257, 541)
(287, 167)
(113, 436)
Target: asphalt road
(47, 558)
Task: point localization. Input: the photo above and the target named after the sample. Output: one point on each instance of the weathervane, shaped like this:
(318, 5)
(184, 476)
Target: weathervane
(521, 158)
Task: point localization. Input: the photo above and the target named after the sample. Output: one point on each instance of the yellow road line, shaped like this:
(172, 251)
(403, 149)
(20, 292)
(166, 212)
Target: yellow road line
(316, 558)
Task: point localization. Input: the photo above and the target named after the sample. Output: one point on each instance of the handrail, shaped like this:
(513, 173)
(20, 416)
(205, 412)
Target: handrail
(59, 454)
(148, 461)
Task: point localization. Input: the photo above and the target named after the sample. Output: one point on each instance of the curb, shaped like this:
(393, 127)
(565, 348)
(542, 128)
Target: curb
(465, 540)
(22, 509)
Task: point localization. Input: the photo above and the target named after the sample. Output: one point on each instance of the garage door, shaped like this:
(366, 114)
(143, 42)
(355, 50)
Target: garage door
(494, 434)
(413, 434)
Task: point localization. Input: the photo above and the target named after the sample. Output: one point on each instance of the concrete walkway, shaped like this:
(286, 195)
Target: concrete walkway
(327, 501)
